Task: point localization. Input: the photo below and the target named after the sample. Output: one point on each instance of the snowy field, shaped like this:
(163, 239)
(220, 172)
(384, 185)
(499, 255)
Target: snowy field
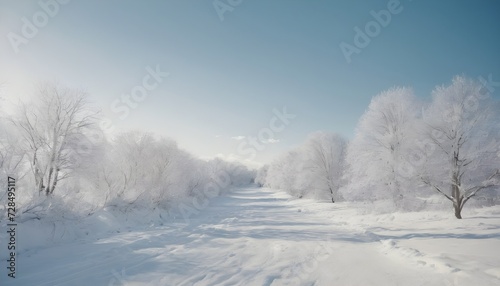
(254, 236)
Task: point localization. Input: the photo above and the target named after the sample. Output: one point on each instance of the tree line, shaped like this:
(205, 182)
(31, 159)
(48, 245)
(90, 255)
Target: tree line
(404, 149)
(65, 162)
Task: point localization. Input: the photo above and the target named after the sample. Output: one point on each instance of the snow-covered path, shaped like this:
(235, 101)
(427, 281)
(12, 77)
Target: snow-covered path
(259, 237)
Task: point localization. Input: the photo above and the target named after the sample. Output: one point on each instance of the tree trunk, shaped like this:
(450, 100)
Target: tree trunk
(457, 201)
(40, 186)
(38, 174)
(49, 182)
(456, 194)
(458, 210)
(54, 182)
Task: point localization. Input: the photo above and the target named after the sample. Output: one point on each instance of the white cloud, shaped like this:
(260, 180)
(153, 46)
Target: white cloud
(272, 141)
(239, 138)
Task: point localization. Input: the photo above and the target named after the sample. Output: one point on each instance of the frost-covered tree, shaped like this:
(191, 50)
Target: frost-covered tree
(463, 128)
(261, 176)
(227, 174)
(324, 162)
(286, 173)
(376, 154)
(47, 124)
(314, 168)
(11, 153)
(141, 167)
(11, 156)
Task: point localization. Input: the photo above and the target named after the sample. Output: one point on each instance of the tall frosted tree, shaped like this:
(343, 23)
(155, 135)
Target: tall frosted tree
(324, 154)
(47, 125)
(375, 156)
(463, 128)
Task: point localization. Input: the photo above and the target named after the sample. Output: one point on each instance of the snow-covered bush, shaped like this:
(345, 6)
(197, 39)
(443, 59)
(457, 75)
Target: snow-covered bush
(314, 169)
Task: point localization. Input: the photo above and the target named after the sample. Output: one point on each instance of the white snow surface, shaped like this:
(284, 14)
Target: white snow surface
(259, 236)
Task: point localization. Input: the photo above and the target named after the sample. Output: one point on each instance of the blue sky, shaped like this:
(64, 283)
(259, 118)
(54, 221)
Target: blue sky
(226, 77)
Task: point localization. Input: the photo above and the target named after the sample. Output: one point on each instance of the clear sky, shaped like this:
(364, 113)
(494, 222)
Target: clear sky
(227, 74)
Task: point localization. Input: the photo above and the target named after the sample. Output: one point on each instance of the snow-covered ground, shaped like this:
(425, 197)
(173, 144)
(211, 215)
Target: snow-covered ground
(254, 236)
